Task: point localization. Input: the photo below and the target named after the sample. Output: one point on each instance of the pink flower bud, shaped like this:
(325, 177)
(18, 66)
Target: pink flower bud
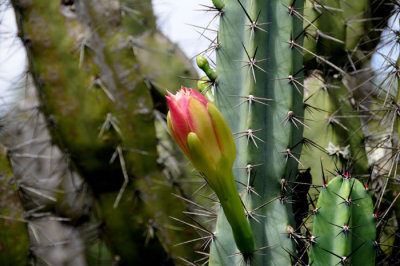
(191, 112)
(203, 134)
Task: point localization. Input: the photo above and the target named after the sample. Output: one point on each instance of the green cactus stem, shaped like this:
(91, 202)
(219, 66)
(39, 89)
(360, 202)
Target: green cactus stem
(344, 229)
(334, 130)
(258, 91)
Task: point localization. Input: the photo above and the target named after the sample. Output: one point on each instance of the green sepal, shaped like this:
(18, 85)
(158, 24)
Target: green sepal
(217, 174)
(199, 155)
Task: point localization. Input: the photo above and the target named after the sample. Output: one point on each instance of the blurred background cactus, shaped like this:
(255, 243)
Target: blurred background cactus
(87, 140)
(90, 176)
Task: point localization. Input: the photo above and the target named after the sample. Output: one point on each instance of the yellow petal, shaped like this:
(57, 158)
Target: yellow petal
(204, 129)
(224, 133)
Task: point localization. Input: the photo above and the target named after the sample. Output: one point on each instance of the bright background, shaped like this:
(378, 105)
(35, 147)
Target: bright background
(176, 18)
(181, 20)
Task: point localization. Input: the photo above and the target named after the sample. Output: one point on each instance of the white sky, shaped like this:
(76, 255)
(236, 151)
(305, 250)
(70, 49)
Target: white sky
(390, 47)
(12, 55)
(178, 20)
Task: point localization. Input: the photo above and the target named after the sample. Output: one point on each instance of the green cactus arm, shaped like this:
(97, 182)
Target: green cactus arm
(344, 201)
(332, 125)
(355, 23)
(205, 85)
(331, 23)
(340, 28)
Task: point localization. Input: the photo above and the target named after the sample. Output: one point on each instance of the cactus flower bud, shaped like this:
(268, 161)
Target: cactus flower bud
(194, 119)
(203, 134)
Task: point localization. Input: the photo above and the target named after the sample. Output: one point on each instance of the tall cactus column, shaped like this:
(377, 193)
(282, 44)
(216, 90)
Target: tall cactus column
(259, 91)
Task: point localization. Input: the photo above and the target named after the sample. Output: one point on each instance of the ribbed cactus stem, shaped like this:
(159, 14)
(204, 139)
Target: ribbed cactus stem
(344, 224)
(335, 129)
(263, 106)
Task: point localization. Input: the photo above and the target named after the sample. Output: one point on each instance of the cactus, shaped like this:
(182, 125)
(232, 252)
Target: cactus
(339, 30)
(259, 63)
(104, 106)
(333, 127)
(344, 229)
(256, 91)
(56, 202)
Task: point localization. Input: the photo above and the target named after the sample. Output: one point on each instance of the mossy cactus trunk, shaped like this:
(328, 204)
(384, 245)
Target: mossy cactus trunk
(97, 67)
(56, 202)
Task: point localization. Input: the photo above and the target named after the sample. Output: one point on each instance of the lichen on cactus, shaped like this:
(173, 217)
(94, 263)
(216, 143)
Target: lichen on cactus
(344, 229)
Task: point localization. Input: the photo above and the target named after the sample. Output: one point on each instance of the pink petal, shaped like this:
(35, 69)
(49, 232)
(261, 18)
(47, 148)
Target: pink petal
(198, 96)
